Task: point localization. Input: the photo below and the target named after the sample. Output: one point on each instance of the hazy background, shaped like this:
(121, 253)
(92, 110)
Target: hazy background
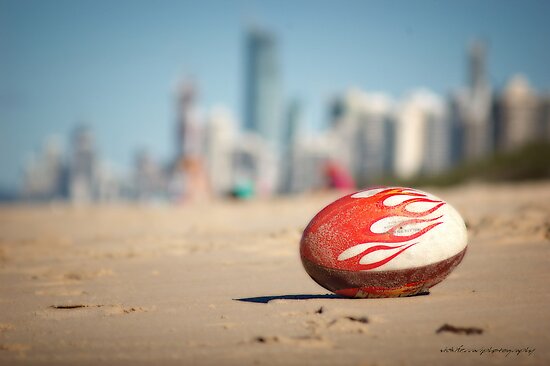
(115, 65)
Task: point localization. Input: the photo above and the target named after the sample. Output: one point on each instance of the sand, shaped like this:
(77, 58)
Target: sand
(222, 284)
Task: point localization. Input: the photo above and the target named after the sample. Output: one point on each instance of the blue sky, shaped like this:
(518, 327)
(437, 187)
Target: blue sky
(115, 64)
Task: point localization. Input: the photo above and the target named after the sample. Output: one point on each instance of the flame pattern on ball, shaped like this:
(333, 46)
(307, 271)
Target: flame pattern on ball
(358, 246)
(391, 234)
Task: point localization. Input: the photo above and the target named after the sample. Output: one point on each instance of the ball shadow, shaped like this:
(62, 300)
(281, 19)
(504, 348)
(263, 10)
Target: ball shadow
(266, 299)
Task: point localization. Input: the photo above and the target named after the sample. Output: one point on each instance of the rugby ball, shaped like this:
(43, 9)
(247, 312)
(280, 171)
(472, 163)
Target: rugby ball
(383, 242)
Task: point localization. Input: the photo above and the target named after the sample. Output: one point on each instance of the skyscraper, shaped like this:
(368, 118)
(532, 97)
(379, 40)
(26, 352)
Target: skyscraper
(308, 162)
(188, 179)
(293, 122)
(422, 134)
(262, 109)
(476, 60)
(375, 137)
(544, 117)
(437, 151)
(472, 108)
(220, 137)
(83, 166)
(293, 126)
(363, 122)
(518, 114)
(148, 177)
(44, 173)
(255, 165)
(188, 132)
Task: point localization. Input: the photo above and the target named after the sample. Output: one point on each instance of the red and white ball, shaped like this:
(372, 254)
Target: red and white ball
(383, 242)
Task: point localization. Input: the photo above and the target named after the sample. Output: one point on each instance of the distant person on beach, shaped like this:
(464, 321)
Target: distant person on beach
(193, 183)
(337, 176)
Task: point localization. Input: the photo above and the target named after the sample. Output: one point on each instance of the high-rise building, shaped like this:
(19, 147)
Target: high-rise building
(438, 148)
(293, 122)
(477, 74)
(517, 115)
(255, 164)
(188, 128)
(421, 135)
(79, 177)
(471, 110)
(149, 181)
(262, 109)
(188, 180)
(44, 173)
(375, 138)
(82, 166)
(544, 117)
(308, 159)
(364, 124)
(292, 133)
(108, 184)
(220, 134)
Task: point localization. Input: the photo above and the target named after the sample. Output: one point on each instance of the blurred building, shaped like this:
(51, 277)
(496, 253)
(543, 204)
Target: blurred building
(83, 167)
(188, 127)
(517, 115)
(108, 183)
(544, 117)
(188, 177)
(293, 123)
(89, 179)
(362, 125)
(220, 136)
(79, 177)
(44, 174)
(149, 178)
(262, 97)
(308, 160)
(437, 134)
(471, 110)
(292, 134)
(311, 159)
(421, 135)
(255, 165)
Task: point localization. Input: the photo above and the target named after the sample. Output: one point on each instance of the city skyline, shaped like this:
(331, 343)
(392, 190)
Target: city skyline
(371, 137)
(116, 91)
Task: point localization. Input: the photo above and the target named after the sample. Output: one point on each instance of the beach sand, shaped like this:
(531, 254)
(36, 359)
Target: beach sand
(222, 284)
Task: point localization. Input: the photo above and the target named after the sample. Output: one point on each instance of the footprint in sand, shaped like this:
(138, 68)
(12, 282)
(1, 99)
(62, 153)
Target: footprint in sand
(315, 341)
(18, 348)
(4, 327)
(319, 321)
(62, 292)
(224, 325)
(3, 256)
(71, 276)
(87, 275)
(345, 324)
(319, 310)
(447, 328)
(528, 221)
(121, 310)
(61, 311)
